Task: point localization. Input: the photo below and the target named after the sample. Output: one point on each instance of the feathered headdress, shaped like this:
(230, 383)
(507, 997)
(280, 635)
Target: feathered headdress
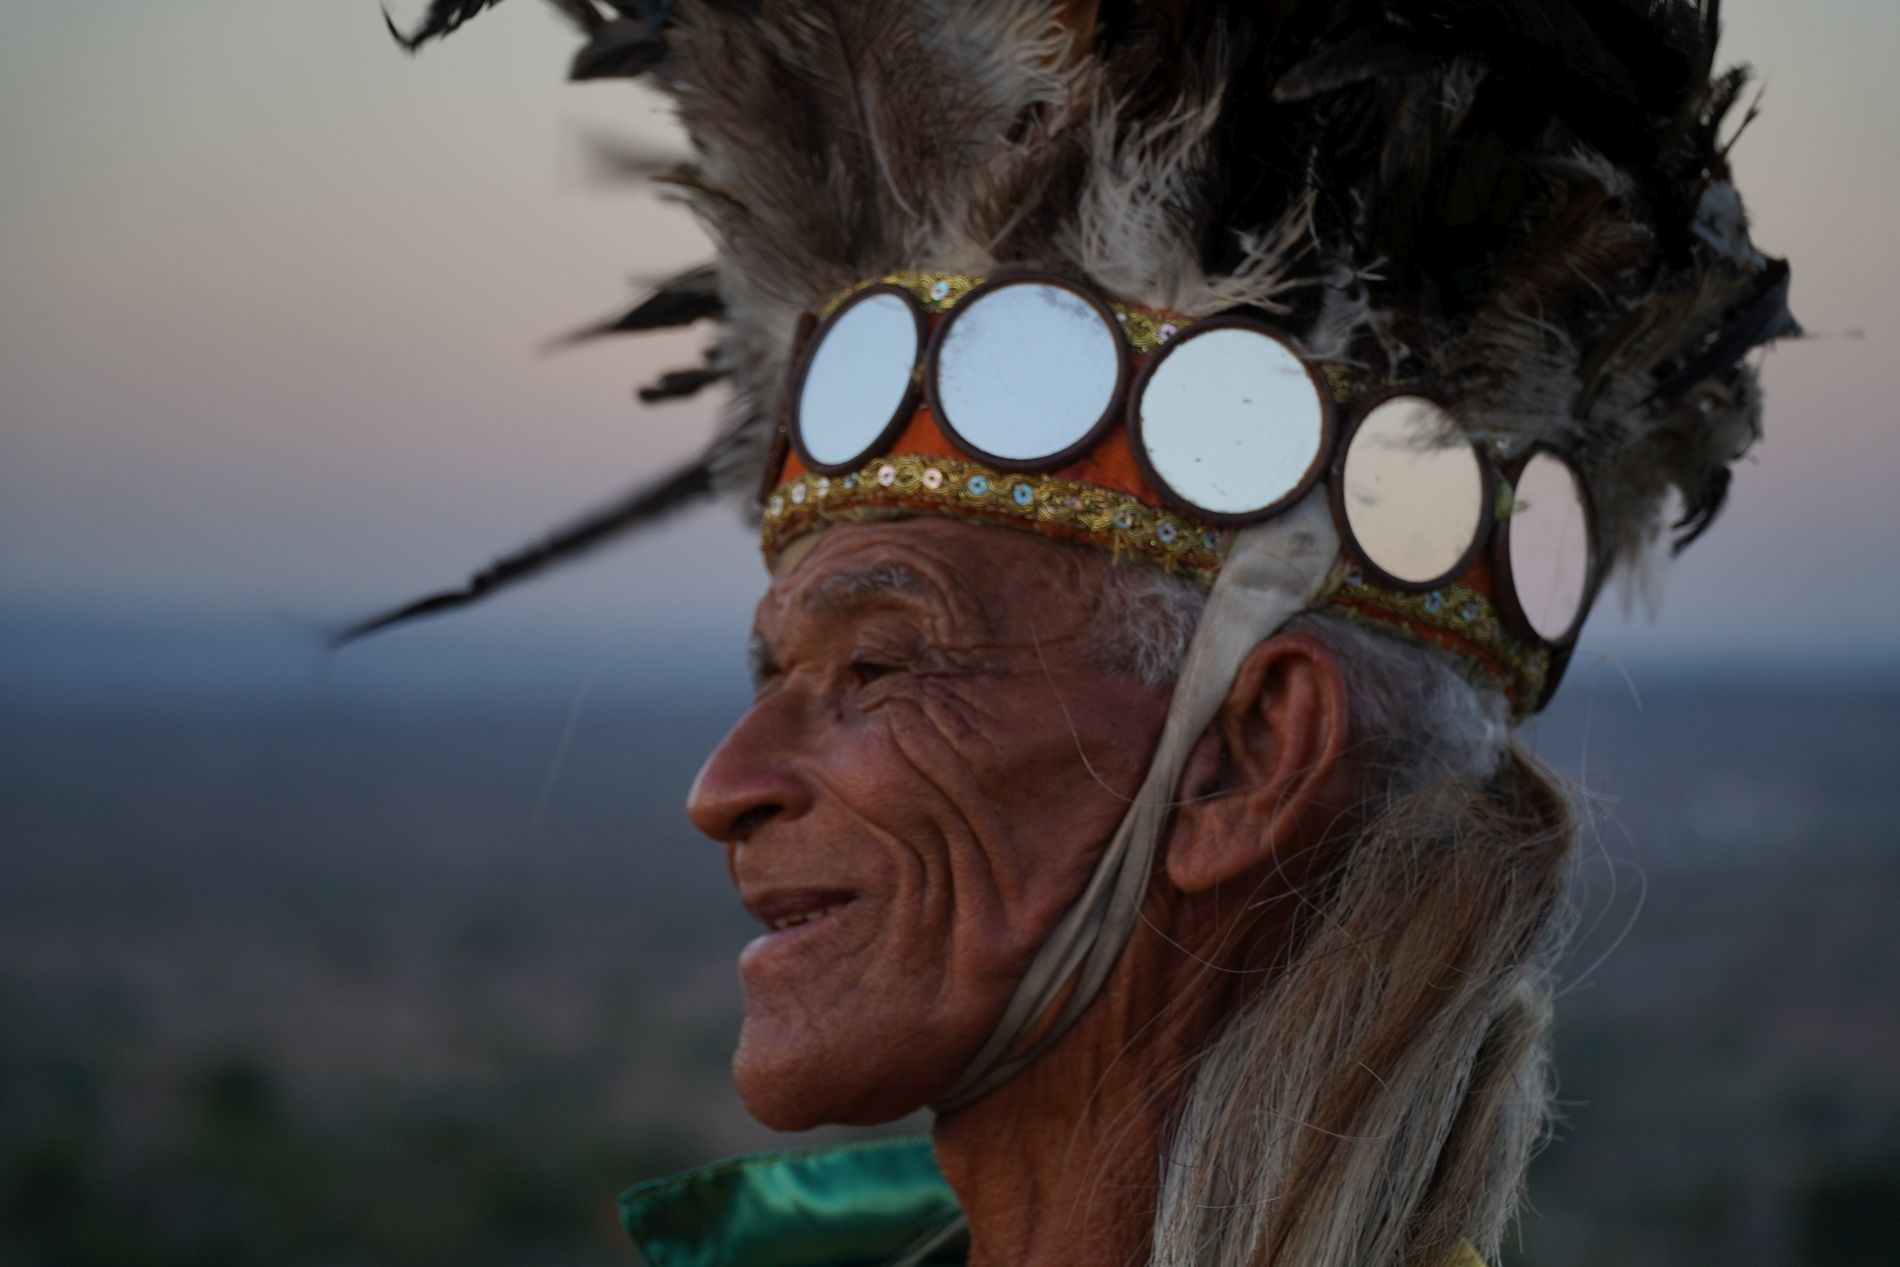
(1524, 205)
(1417, 311)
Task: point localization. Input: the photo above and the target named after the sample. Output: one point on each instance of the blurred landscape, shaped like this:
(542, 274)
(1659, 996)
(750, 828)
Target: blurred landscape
(333, 975)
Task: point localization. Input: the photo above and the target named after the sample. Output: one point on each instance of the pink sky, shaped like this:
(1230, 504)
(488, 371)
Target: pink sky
(270, 294)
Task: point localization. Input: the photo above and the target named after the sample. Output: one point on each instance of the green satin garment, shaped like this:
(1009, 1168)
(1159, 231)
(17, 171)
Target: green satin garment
(860, 1205)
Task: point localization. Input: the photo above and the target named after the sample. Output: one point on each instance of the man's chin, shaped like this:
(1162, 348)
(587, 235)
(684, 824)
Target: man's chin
(796, 1086)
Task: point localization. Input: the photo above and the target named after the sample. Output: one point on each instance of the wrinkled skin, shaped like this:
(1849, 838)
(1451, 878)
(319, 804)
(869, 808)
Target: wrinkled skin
(935, 756)
(915, 746)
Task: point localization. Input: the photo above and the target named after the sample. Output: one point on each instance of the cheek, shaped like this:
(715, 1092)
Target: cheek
(1000, 799)
(973, 798)
(916, 780)
(971, 820)
(1051, 778)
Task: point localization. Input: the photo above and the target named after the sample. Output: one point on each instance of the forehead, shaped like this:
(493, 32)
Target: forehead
(968, 571)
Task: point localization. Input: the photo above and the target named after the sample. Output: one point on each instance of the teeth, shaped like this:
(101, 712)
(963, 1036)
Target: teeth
(792, 920)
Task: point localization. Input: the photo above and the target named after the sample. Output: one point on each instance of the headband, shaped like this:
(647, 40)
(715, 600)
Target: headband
(1030, 401)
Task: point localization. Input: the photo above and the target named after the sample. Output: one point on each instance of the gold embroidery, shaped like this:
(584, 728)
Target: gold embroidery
(1341, 379)
(962, 489)
(1124, 525)
(1146, 328)
(937, 292)
(1455, 609)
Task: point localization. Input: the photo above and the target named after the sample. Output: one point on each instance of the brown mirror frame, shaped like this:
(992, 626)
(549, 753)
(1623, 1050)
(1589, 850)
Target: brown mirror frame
(1322, 390)
(906, 405)
(1508, 604)
(1091, 437)
(1336, 494)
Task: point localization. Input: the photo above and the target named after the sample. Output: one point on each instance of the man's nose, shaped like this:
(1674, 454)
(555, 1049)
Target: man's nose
(752, 777)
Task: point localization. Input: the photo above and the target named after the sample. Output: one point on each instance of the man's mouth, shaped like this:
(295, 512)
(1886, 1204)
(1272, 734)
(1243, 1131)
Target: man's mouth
(789, 908)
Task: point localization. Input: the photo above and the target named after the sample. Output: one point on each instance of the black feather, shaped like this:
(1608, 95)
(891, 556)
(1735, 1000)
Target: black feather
(1761, 320)
(655, 13)
(444, 17)
(582, 14)
(1359, 59)
(1701, 507)
(686, 485)
(624, 48)
(679, 384)
(618, 160)
(679, 301)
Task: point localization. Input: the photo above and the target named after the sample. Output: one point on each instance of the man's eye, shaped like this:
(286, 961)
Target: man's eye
(866, 671)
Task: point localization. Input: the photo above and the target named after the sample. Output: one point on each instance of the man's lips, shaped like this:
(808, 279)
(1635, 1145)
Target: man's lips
(780, 909)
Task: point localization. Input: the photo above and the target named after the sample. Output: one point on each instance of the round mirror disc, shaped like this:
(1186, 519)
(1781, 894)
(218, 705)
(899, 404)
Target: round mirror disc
(1231, 421)
(859, 375)
(1550, 552)
(1413, 491)
(1026, 371)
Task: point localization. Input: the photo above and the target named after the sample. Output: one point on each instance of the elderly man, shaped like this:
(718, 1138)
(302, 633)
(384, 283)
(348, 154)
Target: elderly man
(1186, 436)
(946, 731)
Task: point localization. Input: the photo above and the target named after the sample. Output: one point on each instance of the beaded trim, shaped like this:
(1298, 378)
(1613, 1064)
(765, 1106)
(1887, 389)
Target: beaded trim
(968, 490)
(1454, 618)
(1451, 612)
(1145, 328)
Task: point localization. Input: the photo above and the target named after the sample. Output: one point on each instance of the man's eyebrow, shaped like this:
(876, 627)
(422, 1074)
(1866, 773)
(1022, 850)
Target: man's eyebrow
(844, 592)
(839, 594)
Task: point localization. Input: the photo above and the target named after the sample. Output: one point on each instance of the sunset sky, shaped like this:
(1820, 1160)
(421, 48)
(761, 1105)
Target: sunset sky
(271, 294)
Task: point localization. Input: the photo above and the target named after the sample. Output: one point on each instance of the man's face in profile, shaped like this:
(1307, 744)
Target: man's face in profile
(934, 757)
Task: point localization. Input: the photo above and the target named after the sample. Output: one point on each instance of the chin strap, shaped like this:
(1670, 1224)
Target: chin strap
(1273, 572)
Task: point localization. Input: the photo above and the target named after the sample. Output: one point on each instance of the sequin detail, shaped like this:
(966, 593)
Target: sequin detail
(1062, 508)
(1454, 618)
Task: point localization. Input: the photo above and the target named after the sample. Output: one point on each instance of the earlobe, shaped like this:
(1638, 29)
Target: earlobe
(1266, 774)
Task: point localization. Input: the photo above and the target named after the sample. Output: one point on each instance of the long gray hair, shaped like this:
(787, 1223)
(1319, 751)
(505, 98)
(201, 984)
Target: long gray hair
(1378, 1101)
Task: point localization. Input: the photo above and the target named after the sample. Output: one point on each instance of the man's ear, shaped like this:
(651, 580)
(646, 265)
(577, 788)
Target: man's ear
(1268, 771)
